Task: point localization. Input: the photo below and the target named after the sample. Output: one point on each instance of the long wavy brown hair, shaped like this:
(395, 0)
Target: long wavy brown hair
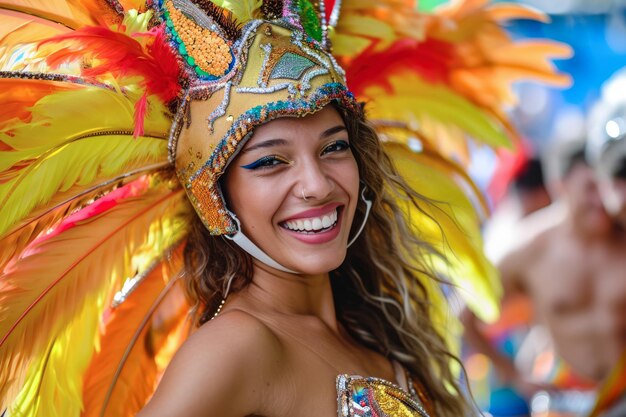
(378, 291)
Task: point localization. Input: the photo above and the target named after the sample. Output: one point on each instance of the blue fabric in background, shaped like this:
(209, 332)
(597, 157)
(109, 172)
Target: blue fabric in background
(599, 44)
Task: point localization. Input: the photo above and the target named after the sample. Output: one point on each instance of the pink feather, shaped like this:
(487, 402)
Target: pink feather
(141, 107)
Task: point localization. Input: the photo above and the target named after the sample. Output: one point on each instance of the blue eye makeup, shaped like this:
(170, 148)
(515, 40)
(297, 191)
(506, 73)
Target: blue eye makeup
(266, 162)
(336, 146)
(271, 161)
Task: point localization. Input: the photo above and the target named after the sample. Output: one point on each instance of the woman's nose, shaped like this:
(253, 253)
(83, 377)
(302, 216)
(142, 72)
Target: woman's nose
(313, 181)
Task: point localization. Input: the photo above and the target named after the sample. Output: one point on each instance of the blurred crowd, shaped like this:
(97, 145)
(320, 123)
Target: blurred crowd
(558, 237)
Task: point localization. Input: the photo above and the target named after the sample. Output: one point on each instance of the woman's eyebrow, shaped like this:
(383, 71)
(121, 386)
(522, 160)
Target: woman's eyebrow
(265, 144)
(332, 131)
(277, 142)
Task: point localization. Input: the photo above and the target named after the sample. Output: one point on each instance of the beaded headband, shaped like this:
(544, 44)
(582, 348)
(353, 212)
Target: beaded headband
(272, 69)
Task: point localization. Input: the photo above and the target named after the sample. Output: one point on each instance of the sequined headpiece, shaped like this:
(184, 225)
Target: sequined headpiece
(273, 69)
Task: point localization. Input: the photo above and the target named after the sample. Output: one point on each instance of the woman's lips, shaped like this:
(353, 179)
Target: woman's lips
(323, 227)
(316, 212)
(312, 224)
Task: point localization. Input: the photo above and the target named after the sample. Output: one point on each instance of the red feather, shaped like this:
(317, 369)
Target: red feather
(432, 59)
(165, 81)
(116, 53)
(329, 5)
(122, 55)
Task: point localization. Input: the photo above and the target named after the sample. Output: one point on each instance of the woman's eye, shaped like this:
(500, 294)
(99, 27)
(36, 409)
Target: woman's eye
(337, 146)
(265, 162)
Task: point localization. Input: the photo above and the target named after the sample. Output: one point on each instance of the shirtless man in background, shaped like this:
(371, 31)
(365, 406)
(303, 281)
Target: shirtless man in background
(570, 262)
(607, 153)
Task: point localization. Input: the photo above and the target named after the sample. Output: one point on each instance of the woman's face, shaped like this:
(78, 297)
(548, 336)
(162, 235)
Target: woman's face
(285, 161)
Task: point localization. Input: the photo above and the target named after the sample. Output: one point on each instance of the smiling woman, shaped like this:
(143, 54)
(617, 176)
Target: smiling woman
(324, 310)
(296, 197)
(213, 149)
(300, 190)
(284, 179)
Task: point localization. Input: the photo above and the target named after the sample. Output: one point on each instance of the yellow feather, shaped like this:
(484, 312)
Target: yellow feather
(416, 101)
(64, 168)
(130, 5)
(59, 206)
(364, 22)
(136, 22)
(366, 26)
(348, 45)
(53, 380)
(242, 10)
(45, 290)
(451, 226)
(50, 151)
(66, 115)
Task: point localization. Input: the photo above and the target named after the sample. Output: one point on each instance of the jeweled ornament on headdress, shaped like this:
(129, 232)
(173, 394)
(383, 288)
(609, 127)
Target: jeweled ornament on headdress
(241, 78)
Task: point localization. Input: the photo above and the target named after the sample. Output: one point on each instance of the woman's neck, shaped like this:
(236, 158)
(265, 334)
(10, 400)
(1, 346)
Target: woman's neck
(283, 293)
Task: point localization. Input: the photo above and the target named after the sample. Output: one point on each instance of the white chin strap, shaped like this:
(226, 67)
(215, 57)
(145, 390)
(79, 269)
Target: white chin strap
(368, 207)
(253, 250)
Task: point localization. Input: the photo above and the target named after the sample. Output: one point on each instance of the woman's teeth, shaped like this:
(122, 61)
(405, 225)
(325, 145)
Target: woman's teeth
(313, 224)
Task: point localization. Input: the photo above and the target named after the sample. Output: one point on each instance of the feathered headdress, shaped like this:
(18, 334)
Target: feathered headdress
(92, 210)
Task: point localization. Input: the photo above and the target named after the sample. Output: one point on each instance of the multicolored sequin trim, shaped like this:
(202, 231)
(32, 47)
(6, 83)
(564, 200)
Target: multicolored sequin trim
(203, 90)
(375, 397)
(205, 192)
(47, 76)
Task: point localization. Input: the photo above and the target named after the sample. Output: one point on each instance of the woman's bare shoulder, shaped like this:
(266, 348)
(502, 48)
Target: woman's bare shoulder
(221, 369)
(240, 327)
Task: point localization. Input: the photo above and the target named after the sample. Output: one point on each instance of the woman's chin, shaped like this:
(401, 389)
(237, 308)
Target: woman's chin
(318, 264)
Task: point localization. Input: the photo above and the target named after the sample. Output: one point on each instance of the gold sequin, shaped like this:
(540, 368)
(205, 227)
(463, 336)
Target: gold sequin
(374, 396)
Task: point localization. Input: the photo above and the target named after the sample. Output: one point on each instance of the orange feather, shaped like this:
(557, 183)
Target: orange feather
(70, 13)
(487, 61)
(18, 96)
(131, 340)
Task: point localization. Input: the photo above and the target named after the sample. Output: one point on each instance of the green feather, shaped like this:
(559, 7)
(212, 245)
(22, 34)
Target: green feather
(310, 19)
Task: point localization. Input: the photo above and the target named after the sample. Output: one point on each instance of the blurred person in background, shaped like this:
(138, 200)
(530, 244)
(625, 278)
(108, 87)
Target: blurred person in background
(517, 190)
(611, 170)
(607, 145)
(530, 189)
(607, 153)
(568, 260)
(520, 174)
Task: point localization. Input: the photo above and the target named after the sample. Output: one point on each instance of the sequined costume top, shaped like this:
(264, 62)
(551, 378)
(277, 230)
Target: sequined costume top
(374, 397)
